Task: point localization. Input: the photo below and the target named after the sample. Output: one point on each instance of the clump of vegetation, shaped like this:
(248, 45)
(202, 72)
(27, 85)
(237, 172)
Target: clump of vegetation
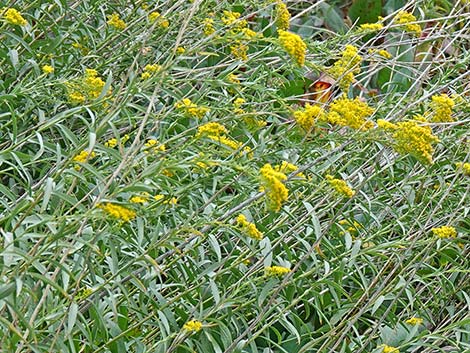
(219, 176)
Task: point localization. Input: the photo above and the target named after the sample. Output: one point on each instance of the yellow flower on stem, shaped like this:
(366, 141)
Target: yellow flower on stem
(293, 45)
(193, 326)
(276, 271)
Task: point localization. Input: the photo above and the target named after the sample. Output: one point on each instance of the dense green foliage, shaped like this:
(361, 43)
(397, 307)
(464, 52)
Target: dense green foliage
(302, 221)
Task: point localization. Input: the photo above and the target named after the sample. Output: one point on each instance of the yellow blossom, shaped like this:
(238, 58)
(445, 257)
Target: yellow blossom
(282, 16)
(276, 271)
(249, 34)
(350, 227)
(239, 51)
(445, 232)
(76, 98)
(287, 168)
(414, 321)
(193, 326)
(115, 21)
(272, 182)
(208, 26)
(465, 167)
(306, 117)
(149, 70)
(152, 68)
(89, 87)
(371, 27)
(180, 50)
(382, 52)
(159, 197)
(232, 19)
(389, 349)
(156, 17)
(350, 112)
(83, 293)
(406, 19)
(111, 143)
(232, 78)
(412, 138)
(238, 102)
(118, 211)
(293, 45)
(139, 198)
(14, 17)
(385, 54)
(441, 106)
(83, 156)
(346, 67)
(211, 129)
(191, 108)
(172, 201)
(154, 146)
(47, 69)
(340, 186)
(249, 228)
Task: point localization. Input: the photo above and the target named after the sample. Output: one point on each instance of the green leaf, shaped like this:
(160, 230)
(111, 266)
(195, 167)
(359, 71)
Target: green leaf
(365, 11)
(6, 290)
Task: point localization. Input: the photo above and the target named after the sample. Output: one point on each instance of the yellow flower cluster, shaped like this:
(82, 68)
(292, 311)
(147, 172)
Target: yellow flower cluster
(445, 232)
(371, 27)
(208, 26)
(118, 211)
(140, 198)
(14, 17)
(287, 168)
(231, 144)
(350, 112)
(340, 186)
(211, 129)
(346, 67)
(232, 78)
(441, 106)
(389, 349)
(351, 227)
(249, 228)
(87, 88)
(237, 104)
(190, 108)
(239, 51)
(272, 183)
(156, 17)
(216, 132)
(111, 143)
(293, 45)
(385, 54)
(193, 326)
(406, 19)
(83, 156)
(276, 271)
(83, 293)
(282, 16)
(154, 146)
(307, 116)
(414, 321)
(412, 138)
(465, 167)
(382, 52)
(115, 21)
(47, 69)
(232, 19)
(149, 70)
